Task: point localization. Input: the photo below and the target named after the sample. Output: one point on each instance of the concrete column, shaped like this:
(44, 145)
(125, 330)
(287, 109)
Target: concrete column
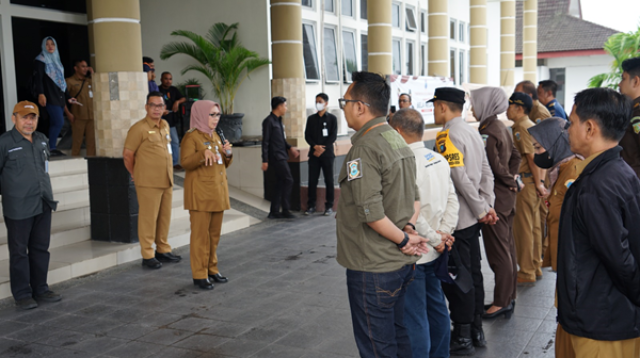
(530, 40)
(438, 39)
(288, 65)
(380, 53)
(507, 43)
(478, 53)
(119, 85)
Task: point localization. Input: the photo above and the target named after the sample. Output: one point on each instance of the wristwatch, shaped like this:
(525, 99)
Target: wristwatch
(405, 241)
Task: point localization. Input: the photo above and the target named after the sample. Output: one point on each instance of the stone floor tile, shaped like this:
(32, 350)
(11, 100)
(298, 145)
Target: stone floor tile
(135, 349)
(165, 336)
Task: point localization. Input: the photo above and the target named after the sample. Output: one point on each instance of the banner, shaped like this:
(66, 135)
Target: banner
(420, 89)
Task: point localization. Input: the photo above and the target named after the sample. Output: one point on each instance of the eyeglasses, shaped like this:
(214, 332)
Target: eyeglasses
(342, 102)
(215, 115)
(156, 106)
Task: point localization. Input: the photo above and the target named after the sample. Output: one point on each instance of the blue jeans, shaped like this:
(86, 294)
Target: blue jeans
(377, 312)
(426, 315)
(175, 146)
(56, 120)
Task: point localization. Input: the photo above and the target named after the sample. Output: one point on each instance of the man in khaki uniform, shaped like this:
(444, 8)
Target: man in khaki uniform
(82, 125)
(526, 226)
(147, 156)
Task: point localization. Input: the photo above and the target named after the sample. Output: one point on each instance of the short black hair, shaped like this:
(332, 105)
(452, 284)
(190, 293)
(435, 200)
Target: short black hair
(373, 89)
(405, 94)
(276, 101)
(323, 96)
(165, 73)
(549, 85)
(147, 59)
(77, 61)
(610, 109)
(632, 66)
(529, 88)
(409, 120)
(453, 106)
(155, 94)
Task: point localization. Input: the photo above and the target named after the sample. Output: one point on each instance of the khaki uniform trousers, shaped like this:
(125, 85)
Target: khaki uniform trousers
(544, 231)
(570, 346)
(527, 231)
(154, 217)
(80, 129)
(205, 236)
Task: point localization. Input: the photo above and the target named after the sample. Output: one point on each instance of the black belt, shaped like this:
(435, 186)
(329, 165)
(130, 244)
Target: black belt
(526, 175)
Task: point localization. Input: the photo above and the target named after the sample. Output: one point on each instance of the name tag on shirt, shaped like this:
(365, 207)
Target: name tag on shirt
(325, 132)
(14, 149)
(169, 148)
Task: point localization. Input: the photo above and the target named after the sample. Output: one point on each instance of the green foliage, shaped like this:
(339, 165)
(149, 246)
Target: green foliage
(621, 46)
(182, 86)
(221, 58)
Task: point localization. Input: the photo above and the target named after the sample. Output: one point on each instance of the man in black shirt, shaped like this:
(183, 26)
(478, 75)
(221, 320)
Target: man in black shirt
(321, 133)
(172, 98)
(275, 157)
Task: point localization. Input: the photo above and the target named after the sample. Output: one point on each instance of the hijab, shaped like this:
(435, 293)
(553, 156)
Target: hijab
(488, 102)
(200, 115)
(53, 66)
(553, 137)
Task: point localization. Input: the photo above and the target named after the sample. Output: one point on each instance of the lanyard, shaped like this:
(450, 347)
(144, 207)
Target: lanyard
(377, 125)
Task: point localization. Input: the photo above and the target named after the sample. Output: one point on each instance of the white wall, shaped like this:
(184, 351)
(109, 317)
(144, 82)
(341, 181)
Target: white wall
(160, 17)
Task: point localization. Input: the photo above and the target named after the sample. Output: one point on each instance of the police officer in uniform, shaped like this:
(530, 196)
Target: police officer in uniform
(462, 146)
(630, 87)
(504, 160)
(147, 157)
(82, 124)
(27, 201)
(526, 227)
(378, 200)
(206, 195)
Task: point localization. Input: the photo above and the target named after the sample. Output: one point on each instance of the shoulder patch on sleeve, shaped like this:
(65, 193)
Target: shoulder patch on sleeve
(636, 127)
(517, 134)
(394, 139)
(569, 182)
(191, 130)
(445, 147)
(484, 139)
(354, 169)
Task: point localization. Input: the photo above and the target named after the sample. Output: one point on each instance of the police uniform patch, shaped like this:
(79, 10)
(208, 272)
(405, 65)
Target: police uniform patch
(484, 139)
(445, 146)
(354, 169)
(518, 136)
(569, 182)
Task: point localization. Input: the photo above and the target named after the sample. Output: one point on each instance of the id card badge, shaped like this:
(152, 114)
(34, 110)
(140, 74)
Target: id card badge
(169, 148)
(46, 166)
(90, 92)
(325, 132)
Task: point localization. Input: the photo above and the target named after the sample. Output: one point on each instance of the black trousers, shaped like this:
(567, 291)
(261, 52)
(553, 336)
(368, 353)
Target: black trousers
(326, 164)
(28, 241)
(282, 188)
(465, 307)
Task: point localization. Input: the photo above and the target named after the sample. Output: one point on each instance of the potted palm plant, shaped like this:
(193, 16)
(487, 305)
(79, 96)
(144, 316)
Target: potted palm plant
(223, 60)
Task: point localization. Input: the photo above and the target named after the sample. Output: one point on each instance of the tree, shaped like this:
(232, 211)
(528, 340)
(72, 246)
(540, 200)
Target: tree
(221, 58)
(621, 46)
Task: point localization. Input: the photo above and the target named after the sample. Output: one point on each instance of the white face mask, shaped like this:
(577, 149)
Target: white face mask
(320, 106)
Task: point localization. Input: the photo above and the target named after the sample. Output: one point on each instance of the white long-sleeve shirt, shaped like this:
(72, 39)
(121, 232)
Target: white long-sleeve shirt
(438, 200)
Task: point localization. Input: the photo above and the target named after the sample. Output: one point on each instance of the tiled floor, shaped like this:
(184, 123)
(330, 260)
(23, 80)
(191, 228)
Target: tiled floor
(286, 298)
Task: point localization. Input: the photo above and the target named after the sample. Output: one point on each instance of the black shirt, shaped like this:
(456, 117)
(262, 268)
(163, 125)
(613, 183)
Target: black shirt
(274, 144)
(45, 85)
(314, 135)
(171, 95)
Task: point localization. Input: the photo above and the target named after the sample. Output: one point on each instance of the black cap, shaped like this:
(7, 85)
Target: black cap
(521, 99)
(448, 94)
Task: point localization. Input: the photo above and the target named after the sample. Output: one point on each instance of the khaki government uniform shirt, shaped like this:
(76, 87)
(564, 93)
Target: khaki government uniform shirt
(539, 112)
(84, 95)
(150, 143)
(523, 141)
(205, 187)
(377, 179)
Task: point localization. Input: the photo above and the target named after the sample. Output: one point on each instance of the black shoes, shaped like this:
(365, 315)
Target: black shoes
(477, 336)
(283, 215)
(218, 278)
(168, 257)
(310, 211)
(328, 212)
(274, 216)
(287, 215)
(461, 342)
(48, 296)
(203, 284)
(26, 304)
(506, 311)
(151, 263)
(56, 153)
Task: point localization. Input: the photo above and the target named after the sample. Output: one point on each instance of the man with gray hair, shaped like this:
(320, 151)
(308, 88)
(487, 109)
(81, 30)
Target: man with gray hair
(425, 309)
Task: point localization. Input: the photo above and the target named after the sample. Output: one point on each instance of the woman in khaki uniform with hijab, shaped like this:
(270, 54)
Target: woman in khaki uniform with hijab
(206, 195)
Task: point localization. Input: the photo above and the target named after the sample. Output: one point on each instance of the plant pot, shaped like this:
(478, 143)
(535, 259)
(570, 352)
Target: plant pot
(231, 125)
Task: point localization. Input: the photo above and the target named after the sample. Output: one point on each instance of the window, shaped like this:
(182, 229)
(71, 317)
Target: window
(410, 47)
(363, 9)
(397, 60)
(411, 24)
(330, 56)
(452, 64)
(395, 15)
(461, 32)
(423, 60)
(461, 69)
(349, 54)
(328, 5)
(308, 3)
(558, 75)
(423, 22)
(347, 7)
(310, 54)
(364, 52)
(452, 29)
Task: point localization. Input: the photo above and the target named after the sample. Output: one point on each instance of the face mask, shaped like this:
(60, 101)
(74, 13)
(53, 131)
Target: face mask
(543, 161)
(319, 106)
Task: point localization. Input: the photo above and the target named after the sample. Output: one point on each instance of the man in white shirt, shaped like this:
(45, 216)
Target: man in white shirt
(426, 313)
